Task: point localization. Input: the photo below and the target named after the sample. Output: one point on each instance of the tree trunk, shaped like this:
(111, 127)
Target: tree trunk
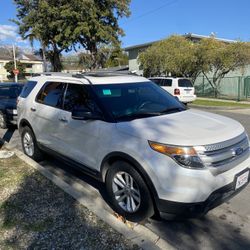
(56, 60)
(44, 58)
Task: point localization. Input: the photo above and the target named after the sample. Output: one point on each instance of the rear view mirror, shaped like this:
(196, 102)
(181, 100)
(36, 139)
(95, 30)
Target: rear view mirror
(84, 114)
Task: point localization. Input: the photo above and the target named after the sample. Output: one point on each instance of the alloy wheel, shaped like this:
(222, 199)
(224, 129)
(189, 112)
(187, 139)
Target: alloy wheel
(126, 192)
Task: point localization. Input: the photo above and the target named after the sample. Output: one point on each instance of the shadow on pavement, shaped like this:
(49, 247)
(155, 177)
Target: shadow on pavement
(7, 136)
(208, 232)
(39, 215)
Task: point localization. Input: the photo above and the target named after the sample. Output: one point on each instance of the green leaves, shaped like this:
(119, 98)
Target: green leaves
(10, 67)
(182, 57)
(63, 25)
(175, 55)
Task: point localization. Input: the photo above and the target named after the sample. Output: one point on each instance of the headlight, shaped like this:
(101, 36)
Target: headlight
(185, 156)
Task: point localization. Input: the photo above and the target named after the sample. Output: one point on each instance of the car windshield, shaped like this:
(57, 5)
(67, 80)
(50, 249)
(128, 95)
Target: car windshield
(130, 101)
(10, 92)
(184, 83)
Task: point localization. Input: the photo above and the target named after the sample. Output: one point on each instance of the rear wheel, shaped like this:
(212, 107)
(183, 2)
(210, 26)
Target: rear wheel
(129, 195)
(3, 120)
(29, 144)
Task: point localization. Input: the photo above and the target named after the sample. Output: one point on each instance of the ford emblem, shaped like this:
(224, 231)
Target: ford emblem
(238, 151)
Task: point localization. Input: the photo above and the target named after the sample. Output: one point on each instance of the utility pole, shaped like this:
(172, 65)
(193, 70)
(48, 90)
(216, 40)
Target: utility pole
(14, 55)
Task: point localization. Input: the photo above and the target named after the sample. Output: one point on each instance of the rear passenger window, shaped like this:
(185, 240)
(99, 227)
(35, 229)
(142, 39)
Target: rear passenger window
(28, 87)
(51, 94)
(166, 82)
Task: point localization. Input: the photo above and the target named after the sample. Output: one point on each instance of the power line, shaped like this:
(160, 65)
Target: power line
(153, 10)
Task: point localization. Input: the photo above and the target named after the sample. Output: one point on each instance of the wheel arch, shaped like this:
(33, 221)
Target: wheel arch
(24, 123)
(120, 156)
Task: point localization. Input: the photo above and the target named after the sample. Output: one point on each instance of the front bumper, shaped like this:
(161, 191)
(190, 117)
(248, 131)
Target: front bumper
(170, 209)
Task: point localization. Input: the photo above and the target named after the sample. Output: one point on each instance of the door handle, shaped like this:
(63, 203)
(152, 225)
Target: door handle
(63, 119)
(33, 109)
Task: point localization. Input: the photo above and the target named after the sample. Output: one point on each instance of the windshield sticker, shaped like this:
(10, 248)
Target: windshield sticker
(106, 91)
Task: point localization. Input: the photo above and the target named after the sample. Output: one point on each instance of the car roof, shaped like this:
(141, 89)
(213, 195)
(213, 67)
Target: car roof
(93, 77)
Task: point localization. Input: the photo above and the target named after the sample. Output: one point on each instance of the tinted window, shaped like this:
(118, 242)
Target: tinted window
(184, 83)
(77, 96)
(157, 81)
(166, 82)
(10, 92)
(136, 100)
(28, 87)
(51, 94)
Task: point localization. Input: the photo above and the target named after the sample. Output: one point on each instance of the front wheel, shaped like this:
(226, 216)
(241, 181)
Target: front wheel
(129, 195)
(29, 144)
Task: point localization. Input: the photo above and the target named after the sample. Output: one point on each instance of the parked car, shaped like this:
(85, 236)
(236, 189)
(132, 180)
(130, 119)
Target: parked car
(8, 97)
(153, 154)
(181, 88)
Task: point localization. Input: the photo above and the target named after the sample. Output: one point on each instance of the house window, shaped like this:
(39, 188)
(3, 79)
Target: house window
(1, 65)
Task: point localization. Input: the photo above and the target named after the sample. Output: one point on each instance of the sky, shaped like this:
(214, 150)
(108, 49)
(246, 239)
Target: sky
(152, 20)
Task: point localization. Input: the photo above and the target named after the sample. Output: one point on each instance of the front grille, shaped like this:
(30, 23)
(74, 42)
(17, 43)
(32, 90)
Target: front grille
(226, 154)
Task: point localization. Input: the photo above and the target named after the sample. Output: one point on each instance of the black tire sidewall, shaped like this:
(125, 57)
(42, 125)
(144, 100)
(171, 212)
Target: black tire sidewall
(37, 155)
(146, 208)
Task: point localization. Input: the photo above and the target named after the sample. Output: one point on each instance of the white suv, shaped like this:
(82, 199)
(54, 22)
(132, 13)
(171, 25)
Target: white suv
(153, 154)
(181, 88)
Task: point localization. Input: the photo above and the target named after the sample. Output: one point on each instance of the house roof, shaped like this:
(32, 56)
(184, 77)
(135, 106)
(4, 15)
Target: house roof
(5, 57)
(25, 57)
(29, 57)
(188, 35)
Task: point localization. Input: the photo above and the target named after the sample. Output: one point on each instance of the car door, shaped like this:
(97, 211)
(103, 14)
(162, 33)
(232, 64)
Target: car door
(44, 113)
(79, 139)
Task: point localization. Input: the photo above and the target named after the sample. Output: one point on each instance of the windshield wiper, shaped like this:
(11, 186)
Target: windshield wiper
(172, 110)
(137, 115)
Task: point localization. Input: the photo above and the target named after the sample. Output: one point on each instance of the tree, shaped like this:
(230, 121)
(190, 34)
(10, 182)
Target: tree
(10, 67)
(116, 58)
(63, 26)
(175, 55)
(218, 58)
(106, 57)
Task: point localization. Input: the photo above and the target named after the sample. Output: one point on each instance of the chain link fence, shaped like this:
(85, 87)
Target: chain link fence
(231, 88)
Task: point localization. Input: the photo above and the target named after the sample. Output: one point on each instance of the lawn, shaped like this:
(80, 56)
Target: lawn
(220, 104)
(36, 214)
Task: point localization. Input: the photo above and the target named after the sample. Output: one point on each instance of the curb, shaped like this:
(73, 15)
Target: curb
(139, 234)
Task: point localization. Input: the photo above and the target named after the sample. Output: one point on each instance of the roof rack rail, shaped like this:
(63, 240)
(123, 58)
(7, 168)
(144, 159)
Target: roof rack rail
(103, 73)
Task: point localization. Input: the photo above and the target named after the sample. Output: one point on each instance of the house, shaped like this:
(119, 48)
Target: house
(33, 65)
(134, 51)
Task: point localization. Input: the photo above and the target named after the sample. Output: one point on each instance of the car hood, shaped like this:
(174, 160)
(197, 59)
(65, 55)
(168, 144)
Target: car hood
(186, 128)
(8, 103)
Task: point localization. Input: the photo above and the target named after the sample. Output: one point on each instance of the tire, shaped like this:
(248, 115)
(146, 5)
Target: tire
(138, 204)
(3, 120)
(29, 144)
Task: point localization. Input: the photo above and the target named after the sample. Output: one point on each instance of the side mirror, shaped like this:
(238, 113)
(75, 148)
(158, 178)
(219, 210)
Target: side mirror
(84, 114)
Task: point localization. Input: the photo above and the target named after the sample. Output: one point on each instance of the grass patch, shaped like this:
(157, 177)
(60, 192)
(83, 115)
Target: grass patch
(12, 172)
(36, 214)
(220, 104)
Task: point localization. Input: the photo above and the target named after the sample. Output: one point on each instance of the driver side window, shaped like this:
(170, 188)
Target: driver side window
(77, 96)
